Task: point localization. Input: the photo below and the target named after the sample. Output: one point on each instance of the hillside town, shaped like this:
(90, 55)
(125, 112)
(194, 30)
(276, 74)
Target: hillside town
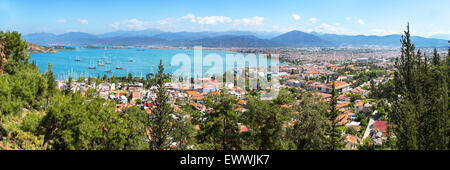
(352, 79)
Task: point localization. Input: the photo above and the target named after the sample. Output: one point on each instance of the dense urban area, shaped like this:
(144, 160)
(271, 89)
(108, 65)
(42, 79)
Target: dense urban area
(329, 99)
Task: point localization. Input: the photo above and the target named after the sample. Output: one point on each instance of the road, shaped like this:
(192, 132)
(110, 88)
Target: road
(369, 128)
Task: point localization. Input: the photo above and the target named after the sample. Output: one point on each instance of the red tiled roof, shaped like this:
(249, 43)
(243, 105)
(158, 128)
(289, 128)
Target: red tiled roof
(343, 105)
(338, 84)
(380, 125)
(351, 138)
(242, 102)
(359, 103)
(244, 128)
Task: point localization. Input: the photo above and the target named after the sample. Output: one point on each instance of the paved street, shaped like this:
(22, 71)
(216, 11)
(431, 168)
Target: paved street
(369, 128)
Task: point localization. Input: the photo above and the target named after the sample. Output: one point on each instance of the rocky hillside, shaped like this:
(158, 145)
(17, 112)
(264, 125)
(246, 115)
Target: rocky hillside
(34, 48)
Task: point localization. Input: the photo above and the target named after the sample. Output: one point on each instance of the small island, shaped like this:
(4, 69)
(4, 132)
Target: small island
(34, 48)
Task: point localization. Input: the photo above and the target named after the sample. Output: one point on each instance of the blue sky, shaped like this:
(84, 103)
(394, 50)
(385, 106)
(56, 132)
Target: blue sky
(374, 17)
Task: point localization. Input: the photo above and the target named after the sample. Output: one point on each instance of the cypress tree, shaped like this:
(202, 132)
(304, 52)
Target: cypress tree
(419, 111)
(335, 139)
(160, 121)
(220, 129)
(436, 60)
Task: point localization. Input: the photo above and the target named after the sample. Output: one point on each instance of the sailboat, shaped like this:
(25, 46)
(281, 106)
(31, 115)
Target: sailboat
(100, 61)
(101, 64)
(104, 54)
(91, 66)
(119, 67)
(77, 59)
(130, 60)
(108, 70)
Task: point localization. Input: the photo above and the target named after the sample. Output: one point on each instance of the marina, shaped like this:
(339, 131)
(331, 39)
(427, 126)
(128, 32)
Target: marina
(117, 62)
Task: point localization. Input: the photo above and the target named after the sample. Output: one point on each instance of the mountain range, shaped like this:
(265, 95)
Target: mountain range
(154, 37)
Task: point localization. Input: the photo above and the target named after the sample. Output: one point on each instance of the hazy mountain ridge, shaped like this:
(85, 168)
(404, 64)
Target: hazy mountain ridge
(156, 37)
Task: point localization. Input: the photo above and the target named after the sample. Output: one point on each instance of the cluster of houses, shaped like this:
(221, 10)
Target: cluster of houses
(305, 77)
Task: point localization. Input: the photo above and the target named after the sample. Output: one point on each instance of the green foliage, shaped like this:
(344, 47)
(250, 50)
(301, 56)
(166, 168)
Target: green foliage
(51, 83)
(366, 76)
(334, 133)
(352, 131)
(31, 122)
(138, 101)
(420, 110)
(161, 122)
(220, 129)
(184, 134)
(386, 91)
(74, 123)
(265, 120)
(309, 131)
(284, 97)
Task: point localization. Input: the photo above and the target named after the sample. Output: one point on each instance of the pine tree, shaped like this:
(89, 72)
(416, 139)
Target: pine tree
(220, 129)
(265, 120)
(161, 120)
(130, 78)
(309, 131)
(14, 52)
(50, 78)
(419, 110)
(436, 59)
(335, 139)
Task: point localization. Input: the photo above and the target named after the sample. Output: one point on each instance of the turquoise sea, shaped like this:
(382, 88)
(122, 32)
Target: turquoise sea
(144, 61)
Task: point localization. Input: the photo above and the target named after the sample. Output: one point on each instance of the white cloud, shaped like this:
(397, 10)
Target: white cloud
(213, 20)
(131, 24)
(84, 21)
(348, 18)
(379, 32)
(189, 17)
(275, 27)
(186, 23)
(296, 17)
(249, 21)
(326, 28)
(313, 20)
(166, 21)
(361, 22)
(135, 24)
(61, 21)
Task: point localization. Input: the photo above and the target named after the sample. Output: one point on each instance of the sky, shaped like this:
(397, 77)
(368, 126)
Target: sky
(350, 17)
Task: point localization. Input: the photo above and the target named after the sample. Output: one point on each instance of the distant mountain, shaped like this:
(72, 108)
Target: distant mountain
(262, 35)
(67, 38)
(441, 36)
(78, 38)
(41, 38)
(389, 40)
(146, 33)
(226, 39)
(134, 41)
(207, 34)
(300, 39)
(185, 35)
